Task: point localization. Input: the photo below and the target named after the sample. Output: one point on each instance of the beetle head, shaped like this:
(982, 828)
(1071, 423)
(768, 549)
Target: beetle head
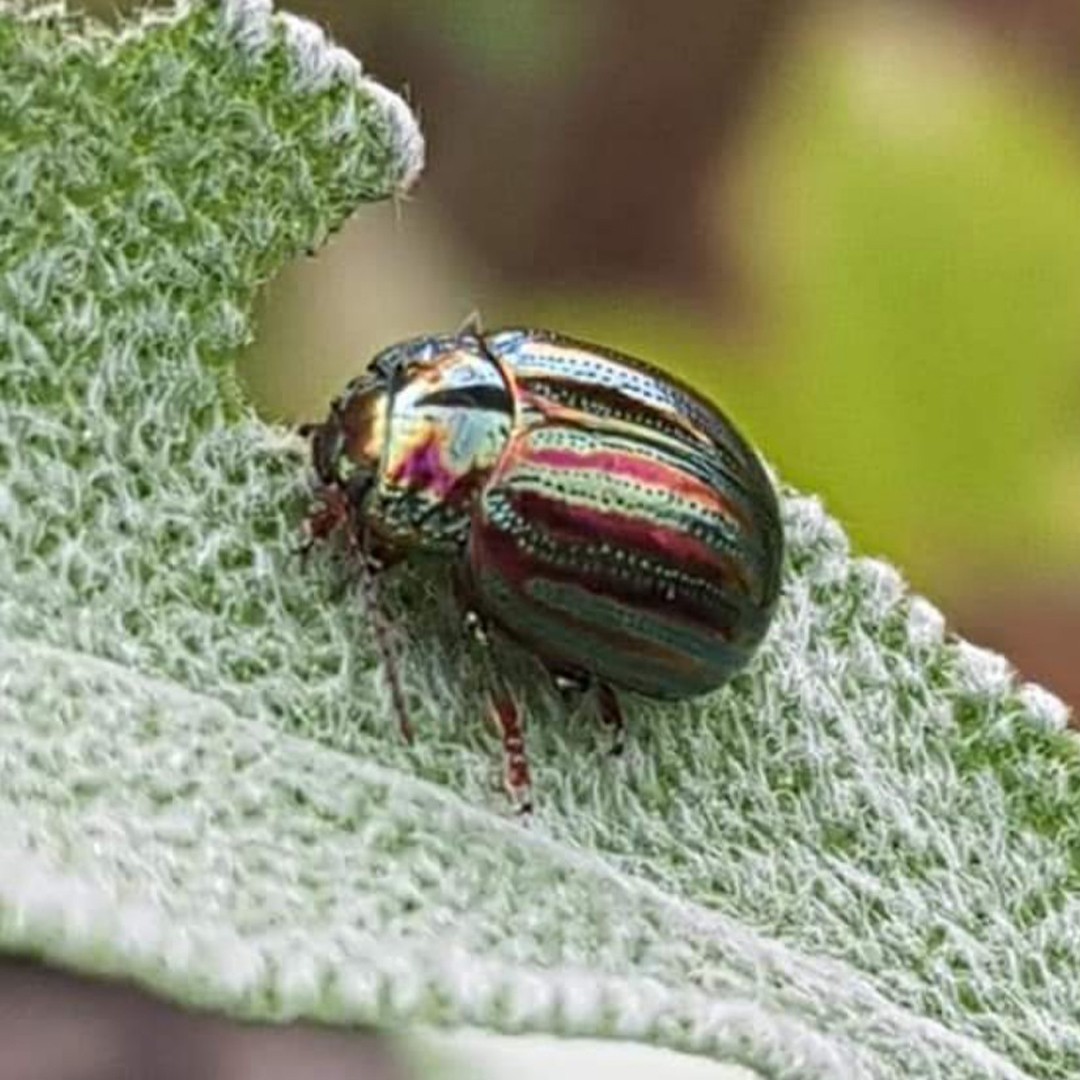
(346, 448)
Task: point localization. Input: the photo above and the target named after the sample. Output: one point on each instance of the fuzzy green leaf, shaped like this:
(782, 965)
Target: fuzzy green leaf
(857, 860)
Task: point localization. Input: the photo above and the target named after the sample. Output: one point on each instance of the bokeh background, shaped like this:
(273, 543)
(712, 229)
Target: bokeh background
(855, 225)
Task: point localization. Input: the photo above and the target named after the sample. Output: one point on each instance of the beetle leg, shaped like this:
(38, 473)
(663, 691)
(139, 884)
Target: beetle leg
(611, 716)
(570, 688)
(384, 644)
(328, 515)
(516, 777)
(474, 627)
(506, 716)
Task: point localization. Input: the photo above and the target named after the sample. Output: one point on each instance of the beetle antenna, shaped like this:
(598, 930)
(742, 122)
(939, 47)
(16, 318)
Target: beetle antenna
(472, 325)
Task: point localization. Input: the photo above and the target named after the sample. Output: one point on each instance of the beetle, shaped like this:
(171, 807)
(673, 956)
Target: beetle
(593, 509)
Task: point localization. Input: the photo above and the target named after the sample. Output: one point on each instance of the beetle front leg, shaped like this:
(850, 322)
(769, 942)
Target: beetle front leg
(384, 644)
(329, 514)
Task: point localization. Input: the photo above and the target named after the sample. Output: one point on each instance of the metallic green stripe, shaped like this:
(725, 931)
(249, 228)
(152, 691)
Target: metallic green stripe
(544, 355)
(694, 459)
(672, 663)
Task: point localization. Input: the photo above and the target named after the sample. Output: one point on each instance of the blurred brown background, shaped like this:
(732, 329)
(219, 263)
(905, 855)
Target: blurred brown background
(855, 225)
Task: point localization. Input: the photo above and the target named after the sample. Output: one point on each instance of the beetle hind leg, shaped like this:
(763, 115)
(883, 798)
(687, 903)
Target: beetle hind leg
(611, 716)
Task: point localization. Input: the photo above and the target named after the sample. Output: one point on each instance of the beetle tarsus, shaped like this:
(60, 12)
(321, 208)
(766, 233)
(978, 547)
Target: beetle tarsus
(611, 716)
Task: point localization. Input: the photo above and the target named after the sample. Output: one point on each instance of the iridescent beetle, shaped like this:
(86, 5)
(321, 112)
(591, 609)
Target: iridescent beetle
(593, 509)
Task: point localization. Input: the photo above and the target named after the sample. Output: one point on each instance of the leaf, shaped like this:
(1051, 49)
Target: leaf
(858, 859)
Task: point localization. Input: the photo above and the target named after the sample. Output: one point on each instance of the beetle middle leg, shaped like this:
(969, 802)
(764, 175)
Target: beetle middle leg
(516, 778)
(571, 687)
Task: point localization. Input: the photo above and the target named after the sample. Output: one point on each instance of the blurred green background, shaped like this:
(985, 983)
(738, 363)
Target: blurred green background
(855, 225)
